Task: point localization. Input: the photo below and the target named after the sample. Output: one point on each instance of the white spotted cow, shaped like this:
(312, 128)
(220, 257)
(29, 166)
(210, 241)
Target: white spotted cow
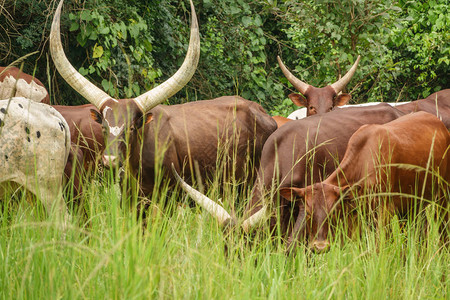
(34, 146)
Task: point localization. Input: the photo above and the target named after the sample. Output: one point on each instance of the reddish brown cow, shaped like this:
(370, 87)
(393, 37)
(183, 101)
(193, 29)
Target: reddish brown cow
(281, 120)
(299, 153)
(379, 157)
(24, 85)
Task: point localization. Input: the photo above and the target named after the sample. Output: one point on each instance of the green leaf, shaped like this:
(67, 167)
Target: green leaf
(83, 71)
(107, 85)
(98, 51)
(104, 30)
(74, 26)
(246, 21)
(258, 21)
(86, 15)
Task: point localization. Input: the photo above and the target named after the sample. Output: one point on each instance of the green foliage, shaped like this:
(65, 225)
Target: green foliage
(128, 47)
(424, 39)
(120, 50)
(234, 52)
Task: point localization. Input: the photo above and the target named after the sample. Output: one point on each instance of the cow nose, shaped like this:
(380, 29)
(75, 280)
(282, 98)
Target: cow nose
(321, 246)
(109, 161)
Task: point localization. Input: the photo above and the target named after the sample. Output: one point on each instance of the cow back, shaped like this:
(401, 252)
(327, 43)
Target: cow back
(226, 133)
(437, 104)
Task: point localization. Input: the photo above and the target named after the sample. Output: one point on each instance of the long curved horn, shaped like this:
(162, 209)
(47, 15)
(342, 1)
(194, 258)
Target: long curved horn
(255, 219)
(83, 86)
(215, 209)
(297, 83)
(212, 207)
(175, 83)
(341, 83)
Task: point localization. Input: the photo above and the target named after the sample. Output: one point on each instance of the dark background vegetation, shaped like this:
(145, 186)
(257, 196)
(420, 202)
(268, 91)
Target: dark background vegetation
(129, 46)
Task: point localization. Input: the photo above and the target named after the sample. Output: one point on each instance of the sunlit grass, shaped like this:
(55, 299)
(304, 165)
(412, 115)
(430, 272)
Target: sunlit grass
(181, 254)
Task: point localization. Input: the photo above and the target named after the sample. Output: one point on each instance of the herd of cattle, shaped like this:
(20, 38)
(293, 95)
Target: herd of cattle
(304, 169)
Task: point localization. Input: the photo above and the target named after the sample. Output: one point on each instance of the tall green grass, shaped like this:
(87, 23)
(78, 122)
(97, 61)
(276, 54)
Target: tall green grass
(181, 254)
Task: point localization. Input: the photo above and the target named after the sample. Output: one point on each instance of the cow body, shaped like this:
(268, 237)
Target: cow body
(197, 132)
(34, 146)
(87, 142)
(24, 85)
(380, 157)
(301, 113)
(304, 151)
(437, 104)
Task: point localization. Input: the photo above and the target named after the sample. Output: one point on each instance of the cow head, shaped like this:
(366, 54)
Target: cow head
(121, 120)
(123, 116)
(316, 203)
(319, 100)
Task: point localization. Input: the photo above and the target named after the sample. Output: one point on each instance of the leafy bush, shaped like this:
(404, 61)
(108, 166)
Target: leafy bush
(128, 47)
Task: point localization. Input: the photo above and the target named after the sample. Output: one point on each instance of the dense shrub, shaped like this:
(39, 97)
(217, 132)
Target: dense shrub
(127, 47)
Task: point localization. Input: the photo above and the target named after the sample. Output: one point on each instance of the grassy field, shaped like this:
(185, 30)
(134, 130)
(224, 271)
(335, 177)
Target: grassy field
(181, 254)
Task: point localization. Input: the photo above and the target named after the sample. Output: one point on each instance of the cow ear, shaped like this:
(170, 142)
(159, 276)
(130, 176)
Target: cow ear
(298, 99)
(292, 193)
(347, 191)
(147, 118)
(342, 99)
(96, 116)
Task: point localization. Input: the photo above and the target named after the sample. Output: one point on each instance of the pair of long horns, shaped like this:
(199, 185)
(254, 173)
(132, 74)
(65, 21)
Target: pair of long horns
(216, 210)
(145, 101)
(302, 87)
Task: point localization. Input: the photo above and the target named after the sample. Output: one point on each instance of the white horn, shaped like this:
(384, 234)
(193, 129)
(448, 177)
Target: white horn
(297, 83)
(83, 86)
(255, 219)
(212, 207)
(341, 83)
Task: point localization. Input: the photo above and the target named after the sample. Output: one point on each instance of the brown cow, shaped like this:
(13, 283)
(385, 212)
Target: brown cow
(12, 78)
(316, 100)
(437, 104)
(379, 157)
(319, 100)
(87, 142)
(139, 129)
(299, 153)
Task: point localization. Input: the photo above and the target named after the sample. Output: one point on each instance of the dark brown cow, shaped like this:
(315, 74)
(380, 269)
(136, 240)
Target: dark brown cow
(87, 142)
(379, 158)
(319, 100)
(437, 104)
(23, 85)
(299, 153)
(189, 133)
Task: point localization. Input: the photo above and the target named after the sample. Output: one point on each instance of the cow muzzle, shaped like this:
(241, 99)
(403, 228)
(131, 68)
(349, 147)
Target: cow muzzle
(320, 246)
